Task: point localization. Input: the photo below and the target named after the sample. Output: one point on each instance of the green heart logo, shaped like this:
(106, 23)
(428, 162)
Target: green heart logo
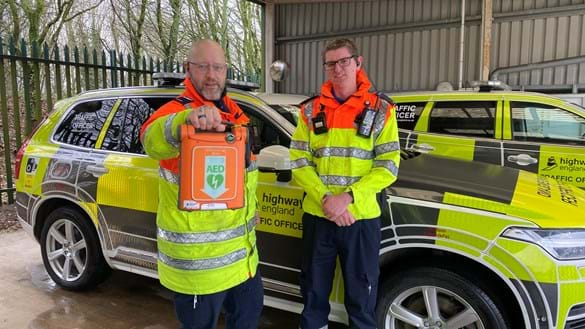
(214, 181)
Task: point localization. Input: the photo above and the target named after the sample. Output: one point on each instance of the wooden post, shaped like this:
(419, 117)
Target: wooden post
(486, 39)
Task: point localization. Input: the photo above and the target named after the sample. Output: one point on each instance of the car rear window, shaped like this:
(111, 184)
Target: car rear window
(408, 113)
(83, 123)
(123, 134)
(465, 118)
(533, 122)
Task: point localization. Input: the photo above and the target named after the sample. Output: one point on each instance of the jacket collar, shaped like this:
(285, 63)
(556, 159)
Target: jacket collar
(192, 93)
(363, 86)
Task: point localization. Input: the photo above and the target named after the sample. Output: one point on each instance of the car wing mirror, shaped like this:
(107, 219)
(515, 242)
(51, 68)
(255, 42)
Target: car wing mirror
(275, 158)
(279, 70)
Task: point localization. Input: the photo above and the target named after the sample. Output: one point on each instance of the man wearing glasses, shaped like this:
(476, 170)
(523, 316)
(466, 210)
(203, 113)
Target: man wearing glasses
(344, 151)
(209, 258)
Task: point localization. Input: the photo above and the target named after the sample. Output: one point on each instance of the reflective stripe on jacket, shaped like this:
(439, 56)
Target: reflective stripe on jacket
(199, 252)
(341, 161)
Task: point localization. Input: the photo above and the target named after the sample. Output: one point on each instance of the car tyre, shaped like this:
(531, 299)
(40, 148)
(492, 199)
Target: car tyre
(71, 250)
(436, 298)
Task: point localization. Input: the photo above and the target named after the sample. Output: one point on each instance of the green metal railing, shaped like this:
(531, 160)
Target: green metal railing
(33, 78)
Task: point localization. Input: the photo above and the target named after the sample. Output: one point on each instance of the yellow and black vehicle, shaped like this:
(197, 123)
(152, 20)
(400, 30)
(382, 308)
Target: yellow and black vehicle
(464, 244)
(530, 131)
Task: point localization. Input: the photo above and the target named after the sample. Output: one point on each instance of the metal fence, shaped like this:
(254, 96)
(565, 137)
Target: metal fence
(34, 77)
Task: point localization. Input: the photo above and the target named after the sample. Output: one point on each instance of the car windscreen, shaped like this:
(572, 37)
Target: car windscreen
(289, 112)
(575, 105)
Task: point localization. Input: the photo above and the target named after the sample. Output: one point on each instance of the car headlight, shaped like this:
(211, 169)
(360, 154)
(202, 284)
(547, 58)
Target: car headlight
(563, 244)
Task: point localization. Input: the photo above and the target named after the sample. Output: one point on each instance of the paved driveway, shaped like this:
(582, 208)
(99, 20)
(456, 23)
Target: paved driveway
(29, 298)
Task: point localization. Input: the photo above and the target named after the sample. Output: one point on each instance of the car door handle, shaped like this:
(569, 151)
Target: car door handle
(522, 159)
(97, 171)
(422, 148)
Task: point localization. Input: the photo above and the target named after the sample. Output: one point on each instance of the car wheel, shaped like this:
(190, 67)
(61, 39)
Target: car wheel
(71, 250)
(435, 298)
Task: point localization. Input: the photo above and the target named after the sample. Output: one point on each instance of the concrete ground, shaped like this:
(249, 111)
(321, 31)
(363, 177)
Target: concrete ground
(30, 299)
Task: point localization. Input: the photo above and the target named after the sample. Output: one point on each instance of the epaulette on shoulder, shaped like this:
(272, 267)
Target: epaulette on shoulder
(310, 99)
(384, 97)
(183, 100)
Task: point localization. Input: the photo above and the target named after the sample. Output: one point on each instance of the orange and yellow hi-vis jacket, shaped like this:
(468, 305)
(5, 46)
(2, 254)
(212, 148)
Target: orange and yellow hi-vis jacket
(339, 160)
(199, 252)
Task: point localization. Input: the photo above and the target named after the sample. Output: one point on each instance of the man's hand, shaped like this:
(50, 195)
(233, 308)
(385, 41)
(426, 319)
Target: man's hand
(345, 219)
(335, 205)
(206, 117)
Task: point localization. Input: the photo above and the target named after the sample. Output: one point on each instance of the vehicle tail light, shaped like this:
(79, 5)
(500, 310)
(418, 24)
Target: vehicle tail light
(20, 152)
(18, 159)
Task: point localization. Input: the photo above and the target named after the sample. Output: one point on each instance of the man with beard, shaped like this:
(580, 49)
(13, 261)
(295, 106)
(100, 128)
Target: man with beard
(208, 258)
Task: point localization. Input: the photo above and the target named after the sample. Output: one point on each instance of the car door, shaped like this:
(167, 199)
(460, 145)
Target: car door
(547, 139)
(128, 182)
(75, 167)
(280, 209)
(461, 129)
(407, 115)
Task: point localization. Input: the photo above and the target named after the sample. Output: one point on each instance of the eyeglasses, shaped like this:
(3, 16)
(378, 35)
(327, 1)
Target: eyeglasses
(343, 62)
(205, 67)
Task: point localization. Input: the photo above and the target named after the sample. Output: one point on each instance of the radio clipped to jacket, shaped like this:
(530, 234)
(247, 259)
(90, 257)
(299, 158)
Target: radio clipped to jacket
(365, 120)
(212, 168)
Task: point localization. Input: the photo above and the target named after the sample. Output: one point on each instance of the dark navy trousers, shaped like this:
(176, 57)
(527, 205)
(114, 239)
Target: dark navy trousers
(358, 247)
(242, 307)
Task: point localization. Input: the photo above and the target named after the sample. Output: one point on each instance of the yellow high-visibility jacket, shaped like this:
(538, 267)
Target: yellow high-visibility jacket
(341, 161)
(199, 252)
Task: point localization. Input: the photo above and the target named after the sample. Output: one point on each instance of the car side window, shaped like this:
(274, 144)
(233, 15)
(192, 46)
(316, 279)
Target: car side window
(123, 134)
(533, 122)
(264, 133)
(408, 113)
(82, 125)
(473, 119)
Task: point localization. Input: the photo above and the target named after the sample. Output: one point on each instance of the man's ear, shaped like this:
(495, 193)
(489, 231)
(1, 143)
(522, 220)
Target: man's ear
(359, 61)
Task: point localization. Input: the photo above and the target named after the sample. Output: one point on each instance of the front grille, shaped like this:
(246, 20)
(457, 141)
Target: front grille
(577, 311)
(575, 324)
(576, 317)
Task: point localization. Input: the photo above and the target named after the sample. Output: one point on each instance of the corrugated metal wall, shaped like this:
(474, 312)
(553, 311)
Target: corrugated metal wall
(414, 44)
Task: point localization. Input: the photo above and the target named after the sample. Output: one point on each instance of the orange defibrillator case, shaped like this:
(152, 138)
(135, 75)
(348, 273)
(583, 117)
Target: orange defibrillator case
(212, 168)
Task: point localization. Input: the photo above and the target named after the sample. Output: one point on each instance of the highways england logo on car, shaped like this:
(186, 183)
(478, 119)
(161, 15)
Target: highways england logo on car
(551, 163)
(564, 169)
